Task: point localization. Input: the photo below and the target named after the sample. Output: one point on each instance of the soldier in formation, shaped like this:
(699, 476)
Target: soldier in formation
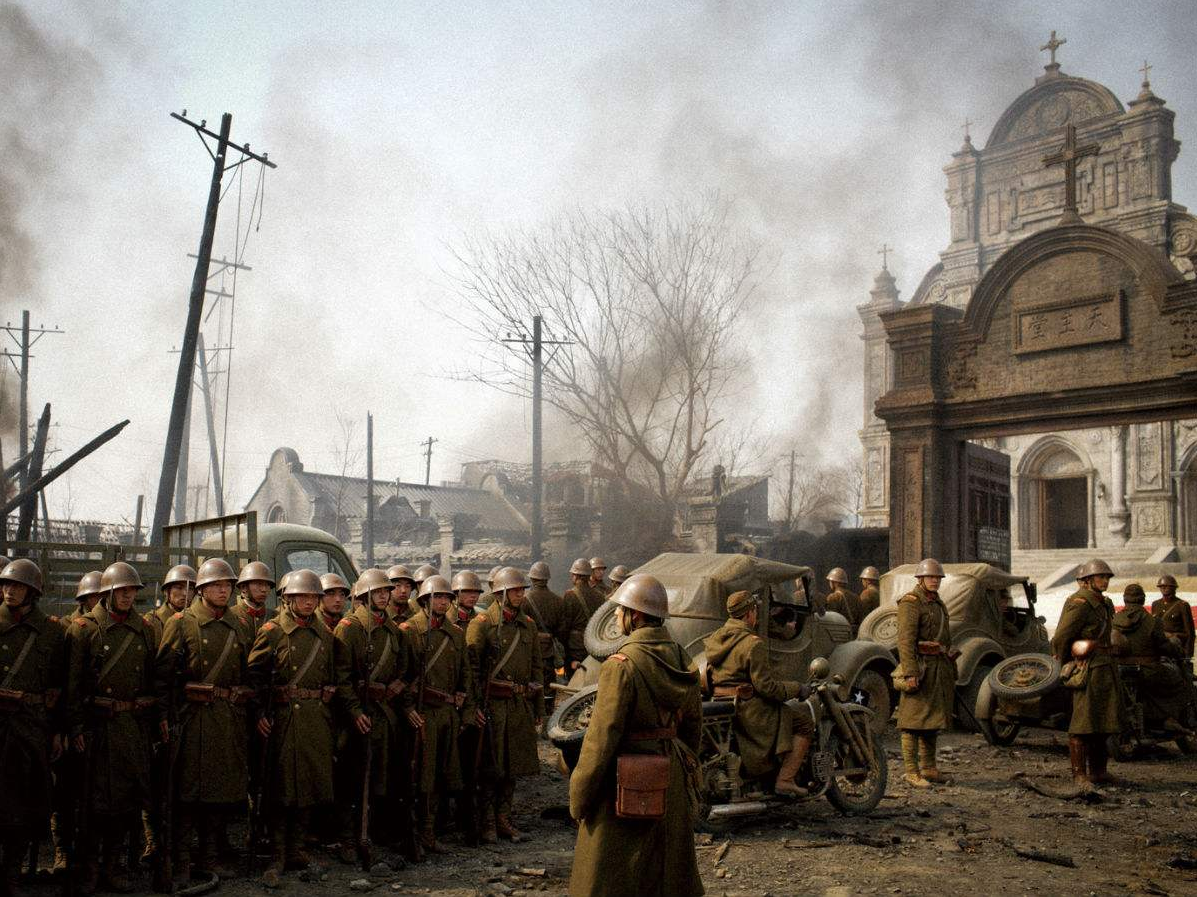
(402, 583)
(581, 593)
(1141, 642)
(559, 626)
(841, 599)
(254, 583)
(332, 603)
(1176, 618)
(178, 590)
(598, 577)
(870, 596)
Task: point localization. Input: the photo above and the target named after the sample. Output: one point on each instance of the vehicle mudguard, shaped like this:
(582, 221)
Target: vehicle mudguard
(985, 702)
(586, 674)
(850, 658)
(972, 649)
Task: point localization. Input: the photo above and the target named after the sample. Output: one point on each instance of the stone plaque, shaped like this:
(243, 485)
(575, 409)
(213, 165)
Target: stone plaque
(1097, 319)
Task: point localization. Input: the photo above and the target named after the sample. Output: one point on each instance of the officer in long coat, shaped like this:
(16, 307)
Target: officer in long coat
(1083, 636)
(200, 675)
(648, 702)
(254, 583)
(505, 658)
(1175, 616)
(929, 664)
(113, 713)
(441, 697)
(371, 665)
(32, 678)
(292, 671)
(1144, 646)
(767, 730)
(870, 596)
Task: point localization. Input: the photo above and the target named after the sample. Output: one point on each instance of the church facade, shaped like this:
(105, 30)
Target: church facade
(1126, 490)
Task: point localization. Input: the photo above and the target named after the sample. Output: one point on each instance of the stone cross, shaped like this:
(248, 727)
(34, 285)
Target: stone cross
(1052, 45)
(1146, 70)
(1068, 156)
(884, 252)
(967, 134)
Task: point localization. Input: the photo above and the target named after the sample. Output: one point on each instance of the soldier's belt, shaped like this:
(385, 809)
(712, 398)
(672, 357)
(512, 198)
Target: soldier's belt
(740, 690)
(12, 700)
(436, 697)
(383, 691)
(930, 648)
(505, 688)
(110, 707)
(287, 693)
(205, 693)
(1139, 659)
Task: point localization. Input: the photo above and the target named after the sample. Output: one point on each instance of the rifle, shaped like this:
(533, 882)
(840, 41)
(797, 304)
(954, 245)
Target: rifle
(417, 754)
(164, 872)
(363, 835)
(254, 833)
(79, 831)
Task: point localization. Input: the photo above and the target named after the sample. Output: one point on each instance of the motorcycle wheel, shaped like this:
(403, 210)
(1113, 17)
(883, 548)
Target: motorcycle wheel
(997, 732)
(567, 725)
(858, 793)
(877, 697)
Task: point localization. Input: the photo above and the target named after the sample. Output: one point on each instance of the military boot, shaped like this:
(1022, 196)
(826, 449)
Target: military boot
(910, 762)
(1077, 759)
(1099, 757)
(790, 767)
(11, 867)
(273, 876)
(297, 856)
(927, 768)
(116, 877)
(504, 797)
(486, 823)
(149, 828)
(428, 827)
(59, 837)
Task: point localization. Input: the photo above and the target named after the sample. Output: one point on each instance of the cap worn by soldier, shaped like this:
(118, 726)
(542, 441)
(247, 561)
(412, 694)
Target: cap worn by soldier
(330, 582)
(1134, 594)
(255, 571)
(1095, 567)
(838, 575)
(89, 584)
(398, 572)
(435, 585)
(214, 570)
(929, 567)
(510, 578)
(303, 582)
(539, 572)
(372, 579)
(179, 573)
(1166, 579)
(740, 603)
(580, 567)
(619, 574)
(644, 593)
(466, 581)
(870, 574)
(25, 572)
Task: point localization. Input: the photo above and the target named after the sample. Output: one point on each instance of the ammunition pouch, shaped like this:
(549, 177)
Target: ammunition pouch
(382, 692)
(741, 691)
(504, 688)
(641, 782)
(107, 708)
(288, 693)
(12, 700)
(435, 697)
(205, 693)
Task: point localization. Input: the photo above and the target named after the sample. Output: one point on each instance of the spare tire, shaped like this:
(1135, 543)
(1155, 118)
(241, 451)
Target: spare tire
(603, 637)
(1024, 676)
(567, 726)
(881, 626)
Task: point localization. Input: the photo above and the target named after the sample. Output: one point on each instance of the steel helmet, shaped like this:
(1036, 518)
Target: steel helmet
(490, 577)
(597, 564)
(839, 575)
(4, 562)
(435, 585)
(1095, 567)
(929, 567)
(619, 574)
(281, 588)
(214, 570)
(510, 578)
(580, 567)
(644, 593)
(1166, 580)
(539, 570)
(89, 584)
(423, 572)
(255, 571)
(119, 575)
(466, 581)
(24, 571)
(1134, 594)
(179, 573)
(372, 579)
(870, 573)
(331, 581)
(398, 572)
(303, 582)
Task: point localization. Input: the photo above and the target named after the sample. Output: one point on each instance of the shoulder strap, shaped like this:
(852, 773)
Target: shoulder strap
(224, 656)
(436, 655)
(506, 656)
(383, 657)
(308, 661)
(115, 658)
(16, 664)
(535, 610)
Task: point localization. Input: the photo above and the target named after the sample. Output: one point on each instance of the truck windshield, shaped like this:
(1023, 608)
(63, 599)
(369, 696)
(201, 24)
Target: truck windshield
(319, 562)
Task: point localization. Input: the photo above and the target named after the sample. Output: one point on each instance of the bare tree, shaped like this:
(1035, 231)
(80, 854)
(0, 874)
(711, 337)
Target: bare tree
(347, 455)
(809, 492)
(848, 479)
(650, 299)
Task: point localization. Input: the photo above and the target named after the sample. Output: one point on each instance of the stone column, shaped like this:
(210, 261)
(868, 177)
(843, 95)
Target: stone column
(1119, 514)
(445, 527)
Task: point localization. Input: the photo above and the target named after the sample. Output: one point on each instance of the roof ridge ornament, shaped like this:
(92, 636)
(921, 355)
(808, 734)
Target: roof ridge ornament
(1053, 44)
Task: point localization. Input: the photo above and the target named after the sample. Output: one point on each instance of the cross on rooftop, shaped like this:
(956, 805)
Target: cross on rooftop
(968, 123)
(1146, 70)
(1052, 45)
(1068, 156)
(884, 252)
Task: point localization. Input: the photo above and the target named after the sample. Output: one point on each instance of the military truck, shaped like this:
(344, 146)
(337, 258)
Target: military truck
(236, 537)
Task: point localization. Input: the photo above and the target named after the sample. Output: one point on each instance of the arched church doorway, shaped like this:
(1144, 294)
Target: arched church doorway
(1188, 497)
(276, 515)
(1055, 496)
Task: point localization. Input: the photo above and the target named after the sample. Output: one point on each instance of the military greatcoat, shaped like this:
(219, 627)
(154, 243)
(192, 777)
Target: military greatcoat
(923, 617)
(371, 657)
(557, 618)
(250, 617)
(1145, 644)
(869, 601)
(298, 656)
(30, 718)
(512, 718)
(647, 685)
(764, 724)
(843, 601)
(156, 620)
(1096, 708)
(439, 678)
(110, 698)
(1176, 618)
(211, 766)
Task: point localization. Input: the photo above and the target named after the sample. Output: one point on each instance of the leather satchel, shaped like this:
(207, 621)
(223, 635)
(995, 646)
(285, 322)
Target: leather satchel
(641, 781)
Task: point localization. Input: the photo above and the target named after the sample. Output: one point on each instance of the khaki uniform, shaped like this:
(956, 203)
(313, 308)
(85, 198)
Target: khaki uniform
(156, 619)
(440, 665)
(1096, 708)
(922, 617)
(586, 599)
(844, 602)
(559, 621)
(249, 617)
(1145, 644)
(1176, 617)
(765, 726)
(648, 685)
(869, 600)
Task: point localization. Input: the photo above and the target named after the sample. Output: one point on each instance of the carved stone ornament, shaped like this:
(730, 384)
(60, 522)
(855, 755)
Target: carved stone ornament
(1183, 326)
(959, 375)
(1149, 520)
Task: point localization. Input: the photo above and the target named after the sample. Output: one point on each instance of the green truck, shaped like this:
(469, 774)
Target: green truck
(236, 537)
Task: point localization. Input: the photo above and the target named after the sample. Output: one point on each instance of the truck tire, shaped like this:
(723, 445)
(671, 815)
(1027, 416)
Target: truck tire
(878, 698)
(567, 725)
(881, 626)
(602, 635)
(1024, 676)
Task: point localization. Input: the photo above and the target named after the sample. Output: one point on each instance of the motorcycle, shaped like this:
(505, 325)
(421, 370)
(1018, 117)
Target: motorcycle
(1145, 723)
(846, 763)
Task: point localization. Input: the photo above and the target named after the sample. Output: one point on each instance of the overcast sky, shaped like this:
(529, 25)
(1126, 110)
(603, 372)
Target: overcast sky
(398, 127)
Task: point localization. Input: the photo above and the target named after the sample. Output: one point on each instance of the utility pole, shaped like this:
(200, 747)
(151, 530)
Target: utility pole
(28, 505)
(28, 337)
(427, 443)
(209, 416)
(790, 494)
(181, 487)
(537, 343)
(137, 521)
(368, 535)
(183, 379)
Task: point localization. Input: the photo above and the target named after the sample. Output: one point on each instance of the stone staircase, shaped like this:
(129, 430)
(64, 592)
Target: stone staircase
(1045, 566)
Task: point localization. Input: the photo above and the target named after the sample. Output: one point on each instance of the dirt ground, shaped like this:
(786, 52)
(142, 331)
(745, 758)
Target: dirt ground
(958, 838)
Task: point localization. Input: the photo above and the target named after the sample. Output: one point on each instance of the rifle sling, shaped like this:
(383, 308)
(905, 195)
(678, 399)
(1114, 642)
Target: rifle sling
(220, 661)
(19, 662)
(436, 655)
(307, 663)
(381, 662)
(506, 657)
(535, 611)
(115, 658)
